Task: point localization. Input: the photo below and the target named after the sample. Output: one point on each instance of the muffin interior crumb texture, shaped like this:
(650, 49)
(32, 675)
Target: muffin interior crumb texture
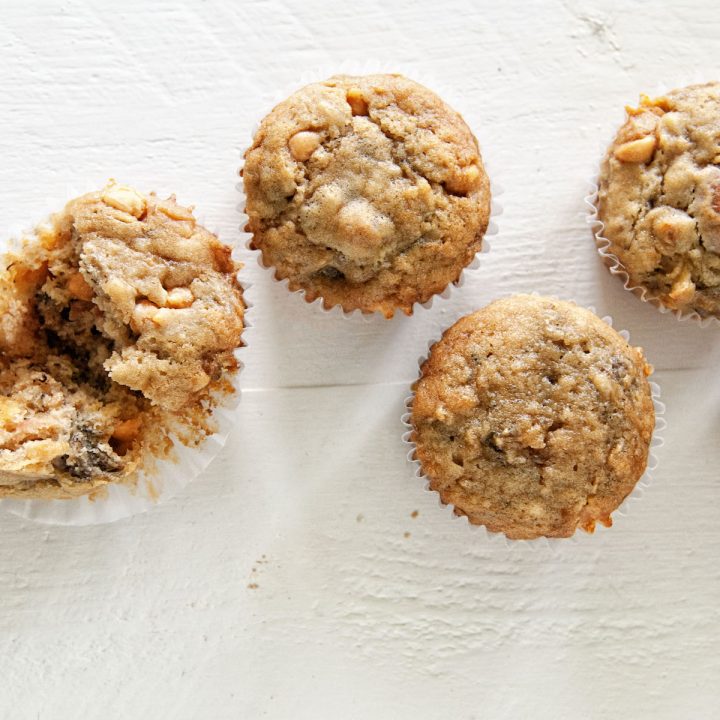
(118, 324)
(659, 198)
(533, 417)
(367, 191)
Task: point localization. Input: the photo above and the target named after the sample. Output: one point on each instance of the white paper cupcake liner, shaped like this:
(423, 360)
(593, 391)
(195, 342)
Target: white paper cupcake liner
(183, 464)
(436, 85)
(500, 539)
(602, 243)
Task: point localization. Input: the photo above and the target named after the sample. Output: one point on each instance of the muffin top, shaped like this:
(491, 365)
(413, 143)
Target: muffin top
(659, 198)
(533, 417)
(369, 192)
(118, 324)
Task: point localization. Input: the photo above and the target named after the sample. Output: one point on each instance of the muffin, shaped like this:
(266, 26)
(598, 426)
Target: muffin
(368, 192)
(533, 417)
(659, 199)
(118, 325)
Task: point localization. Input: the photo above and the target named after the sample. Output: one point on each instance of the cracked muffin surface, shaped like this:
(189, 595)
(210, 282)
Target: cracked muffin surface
(119, 320)
(369, 192)
(533, 417)
(659, 198)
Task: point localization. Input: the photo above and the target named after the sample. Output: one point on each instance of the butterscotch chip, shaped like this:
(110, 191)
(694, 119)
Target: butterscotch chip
(180, 298)
(533, 417)
(127, 430)
(78, 288)
(369, 192)
(124, 198)
(304, 144)
(659, 198)
(118, 323)
(637, 151)
(357, 102)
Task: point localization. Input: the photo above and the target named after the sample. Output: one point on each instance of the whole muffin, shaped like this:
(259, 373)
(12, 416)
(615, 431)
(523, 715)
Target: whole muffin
(533, 417)
(659, 198)
(369, 192)
(118, 324)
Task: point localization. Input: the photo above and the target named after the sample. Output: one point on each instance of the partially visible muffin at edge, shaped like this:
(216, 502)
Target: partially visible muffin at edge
(659, 198)
(118, 325)
(533, 417)
(367, 191)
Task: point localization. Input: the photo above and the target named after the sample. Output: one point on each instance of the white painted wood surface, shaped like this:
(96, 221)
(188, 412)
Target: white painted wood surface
(311, 501)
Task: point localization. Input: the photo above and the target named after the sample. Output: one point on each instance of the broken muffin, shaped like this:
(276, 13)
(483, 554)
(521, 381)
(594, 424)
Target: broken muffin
(119, 321)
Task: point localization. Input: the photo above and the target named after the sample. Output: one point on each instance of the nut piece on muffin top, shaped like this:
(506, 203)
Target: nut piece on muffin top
(533, 417)
(369, 192)
(659, 198)
(118, 324)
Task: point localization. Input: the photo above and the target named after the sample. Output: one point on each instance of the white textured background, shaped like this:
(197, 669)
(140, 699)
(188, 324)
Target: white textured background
(153, 617)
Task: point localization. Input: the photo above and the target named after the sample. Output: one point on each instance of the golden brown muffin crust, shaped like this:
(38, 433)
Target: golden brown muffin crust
(659, 198)
(533, 417)
(369, 192)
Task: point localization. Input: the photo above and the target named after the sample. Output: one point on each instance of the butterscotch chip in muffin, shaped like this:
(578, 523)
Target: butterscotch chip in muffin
(659, 198)
(369, 192)
(118, 324)
(533, 417)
